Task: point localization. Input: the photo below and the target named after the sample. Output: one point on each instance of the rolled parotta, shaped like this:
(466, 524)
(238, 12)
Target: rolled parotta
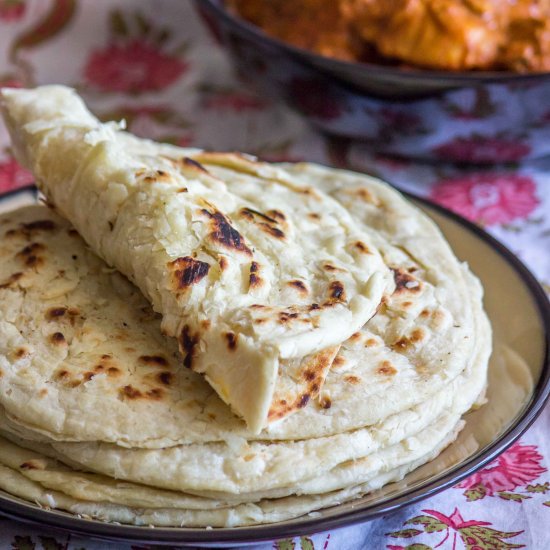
(267, 275)
(246, 285)
(83, 358)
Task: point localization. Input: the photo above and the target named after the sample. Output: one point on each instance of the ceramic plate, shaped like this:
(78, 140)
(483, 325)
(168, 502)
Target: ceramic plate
(519, 385)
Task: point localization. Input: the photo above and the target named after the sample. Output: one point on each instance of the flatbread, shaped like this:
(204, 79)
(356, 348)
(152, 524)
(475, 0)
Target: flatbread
(241, 286)
(83, 358)
(254, 469)
(98, 415)
(49, 492)
(49, 377)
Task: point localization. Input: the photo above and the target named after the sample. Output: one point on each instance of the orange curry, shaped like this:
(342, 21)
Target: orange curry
(439, 34)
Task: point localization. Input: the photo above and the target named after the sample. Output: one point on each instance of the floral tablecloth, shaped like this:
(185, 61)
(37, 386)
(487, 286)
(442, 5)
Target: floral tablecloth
(154, 64)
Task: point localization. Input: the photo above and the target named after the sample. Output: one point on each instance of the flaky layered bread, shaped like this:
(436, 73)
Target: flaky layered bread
(247, 471)
(99, 414)
(52, 485)
(239, 279)
(67, 323)
(83, 358)
(80, 340)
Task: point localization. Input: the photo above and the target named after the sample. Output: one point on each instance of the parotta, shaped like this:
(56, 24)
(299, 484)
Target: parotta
(243, 280)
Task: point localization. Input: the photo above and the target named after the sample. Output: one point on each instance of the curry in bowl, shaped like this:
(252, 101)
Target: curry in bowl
(454, 35)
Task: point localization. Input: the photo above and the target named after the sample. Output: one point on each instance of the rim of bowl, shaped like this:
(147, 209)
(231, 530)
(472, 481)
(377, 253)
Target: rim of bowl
(324, 62)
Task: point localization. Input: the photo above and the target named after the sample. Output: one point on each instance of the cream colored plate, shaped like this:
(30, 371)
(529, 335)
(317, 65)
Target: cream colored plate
(519, 384)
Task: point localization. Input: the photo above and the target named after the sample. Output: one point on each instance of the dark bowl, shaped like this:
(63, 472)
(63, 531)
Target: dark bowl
(477, 117)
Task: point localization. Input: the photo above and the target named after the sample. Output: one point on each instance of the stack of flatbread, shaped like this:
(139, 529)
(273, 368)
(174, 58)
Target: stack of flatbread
(202, 339)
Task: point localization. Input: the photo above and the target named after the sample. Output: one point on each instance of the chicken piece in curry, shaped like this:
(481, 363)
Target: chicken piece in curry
(438, 34)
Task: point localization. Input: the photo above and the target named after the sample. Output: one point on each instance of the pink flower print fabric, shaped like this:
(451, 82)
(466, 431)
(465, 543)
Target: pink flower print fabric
(488, 198)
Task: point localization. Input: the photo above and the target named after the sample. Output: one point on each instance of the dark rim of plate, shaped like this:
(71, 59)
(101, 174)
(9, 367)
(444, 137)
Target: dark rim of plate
(18, 509)
(458, 77)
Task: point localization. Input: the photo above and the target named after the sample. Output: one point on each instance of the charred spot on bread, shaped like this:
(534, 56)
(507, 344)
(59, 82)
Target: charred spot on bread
(224, 233)
(32, 248)
(191, 163)
(21, 352)
(254, 279)
(223, 263)
(309, 375)
(32, 465)
(58, 339)
(165, 377)
(13, 278)
(62, 312)
(286, 316)
(231, 339)
(362, 247)
(55, 313)
(404, 281)
(386, 369)
(39, 225)
(187, 271)
(404, 342)
(337, 290)
(325, 402)
(129, 392)
(155, 394)
(364, 194)
(30, 255)
(267, 224)
(304, 400)
(276, 214)
(153, 360)
(113, 372)
(298, 285)
(188, 343)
